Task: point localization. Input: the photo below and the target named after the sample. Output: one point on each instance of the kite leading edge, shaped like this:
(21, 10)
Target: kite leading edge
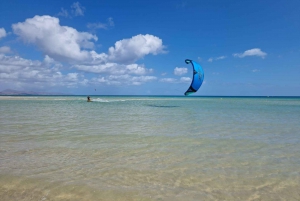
(198, 77)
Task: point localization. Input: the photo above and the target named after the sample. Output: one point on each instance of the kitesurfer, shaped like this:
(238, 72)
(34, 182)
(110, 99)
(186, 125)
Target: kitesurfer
(88, 99)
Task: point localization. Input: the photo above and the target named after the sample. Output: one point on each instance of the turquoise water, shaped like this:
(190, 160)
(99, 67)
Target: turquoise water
(149, 148)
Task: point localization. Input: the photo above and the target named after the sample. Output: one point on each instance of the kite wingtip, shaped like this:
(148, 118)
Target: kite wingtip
(187, 61)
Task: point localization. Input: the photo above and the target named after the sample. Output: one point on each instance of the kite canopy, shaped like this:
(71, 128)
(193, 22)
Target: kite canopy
(198, 77)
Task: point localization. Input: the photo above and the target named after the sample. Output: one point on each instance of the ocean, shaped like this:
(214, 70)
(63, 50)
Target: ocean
(149, 148)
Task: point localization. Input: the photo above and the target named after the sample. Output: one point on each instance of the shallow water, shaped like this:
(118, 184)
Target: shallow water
(149, 148)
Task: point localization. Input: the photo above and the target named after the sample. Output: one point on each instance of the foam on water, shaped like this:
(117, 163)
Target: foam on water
(106, 100)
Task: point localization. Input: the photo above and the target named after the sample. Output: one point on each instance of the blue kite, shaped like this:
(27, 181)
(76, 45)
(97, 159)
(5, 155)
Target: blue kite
(198, 77)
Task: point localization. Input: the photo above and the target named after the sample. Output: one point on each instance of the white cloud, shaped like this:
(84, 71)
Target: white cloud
(2, 33)
(72, 77)
(173, 80)
(123, 79)
(255, 70)
(136, 69)
(251, 52)
(63, 43)
(10, 64)
(130, 50)
(5, 49)
(16, 71)
(114, 69)
(168, 80)
(216, 58)
(221, 57)
(185, 79)
(48, 60)
(180, 71)
(99, 25)
(137, 80)
(59, 42)
(78, 10)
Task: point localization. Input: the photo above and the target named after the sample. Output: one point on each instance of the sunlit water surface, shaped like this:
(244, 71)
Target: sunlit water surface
(149, 148)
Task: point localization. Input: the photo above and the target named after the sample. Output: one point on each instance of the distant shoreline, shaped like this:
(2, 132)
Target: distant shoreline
(11, 92)
(193, 96)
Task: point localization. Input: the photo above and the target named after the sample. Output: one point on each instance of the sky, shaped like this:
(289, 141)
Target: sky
(114, 47)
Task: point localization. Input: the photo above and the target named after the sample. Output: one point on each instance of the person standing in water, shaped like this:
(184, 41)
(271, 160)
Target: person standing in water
(88, 99)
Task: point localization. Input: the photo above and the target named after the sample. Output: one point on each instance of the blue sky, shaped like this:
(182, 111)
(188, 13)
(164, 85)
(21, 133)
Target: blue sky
(248, 48)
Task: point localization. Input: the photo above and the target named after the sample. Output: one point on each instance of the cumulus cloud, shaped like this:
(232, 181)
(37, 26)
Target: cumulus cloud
(72, 77)
(15, 70)
(5, 49)
(59, 42)
(130, 50)
(65, 44)
(180, 71)
(48, 60)
(251, 52)
(2, 33)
